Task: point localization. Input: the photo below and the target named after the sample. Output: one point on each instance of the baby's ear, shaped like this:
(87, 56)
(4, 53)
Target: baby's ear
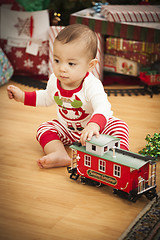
(92, 64)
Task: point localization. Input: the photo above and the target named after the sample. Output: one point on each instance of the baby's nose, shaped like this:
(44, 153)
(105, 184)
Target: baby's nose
(63, 68)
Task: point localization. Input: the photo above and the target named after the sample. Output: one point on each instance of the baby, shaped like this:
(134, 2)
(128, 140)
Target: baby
(83, 109)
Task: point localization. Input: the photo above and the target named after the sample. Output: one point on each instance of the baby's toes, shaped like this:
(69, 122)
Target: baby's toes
(39, 164)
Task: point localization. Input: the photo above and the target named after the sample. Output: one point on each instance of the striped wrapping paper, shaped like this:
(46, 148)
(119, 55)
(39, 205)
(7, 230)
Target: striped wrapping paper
(131, 13)
(53, 31)
(98, 70)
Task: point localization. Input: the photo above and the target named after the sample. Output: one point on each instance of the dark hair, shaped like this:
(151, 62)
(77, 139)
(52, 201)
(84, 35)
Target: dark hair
(79, 31)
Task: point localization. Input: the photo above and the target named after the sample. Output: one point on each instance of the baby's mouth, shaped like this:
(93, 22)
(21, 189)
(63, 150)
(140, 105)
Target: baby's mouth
(63, 77)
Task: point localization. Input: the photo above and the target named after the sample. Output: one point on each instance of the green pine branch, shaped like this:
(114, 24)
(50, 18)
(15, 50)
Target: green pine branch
(152, 147)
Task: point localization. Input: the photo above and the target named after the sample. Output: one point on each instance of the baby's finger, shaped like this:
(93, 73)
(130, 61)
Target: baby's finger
(10, 94)
(83, 139)
(97, 134)
(39, 164)
(11, 87)
(90, 135)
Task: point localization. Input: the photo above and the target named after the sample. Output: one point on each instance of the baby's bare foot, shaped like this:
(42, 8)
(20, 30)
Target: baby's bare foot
(54, 160)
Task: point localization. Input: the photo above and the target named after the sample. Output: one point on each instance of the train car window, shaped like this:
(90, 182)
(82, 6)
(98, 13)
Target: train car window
(105, 148)
(87, 160)
(102, 165)
(116, 144)
(117, 171)
(93, 147)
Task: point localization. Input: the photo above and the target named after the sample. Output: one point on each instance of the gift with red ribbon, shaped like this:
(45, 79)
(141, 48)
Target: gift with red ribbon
(24, 39)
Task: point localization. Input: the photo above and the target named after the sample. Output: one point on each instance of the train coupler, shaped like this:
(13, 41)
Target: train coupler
(73, 172)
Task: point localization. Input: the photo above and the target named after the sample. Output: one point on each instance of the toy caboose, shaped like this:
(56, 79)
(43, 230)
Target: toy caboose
(102, 162)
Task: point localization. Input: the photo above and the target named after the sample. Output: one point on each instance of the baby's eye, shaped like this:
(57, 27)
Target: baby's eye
(71, 64)
(56, 60)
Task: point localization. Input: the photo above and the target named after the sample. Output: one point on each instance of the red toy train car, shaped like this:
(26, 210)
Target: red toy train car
(102, 162)
(151, 78)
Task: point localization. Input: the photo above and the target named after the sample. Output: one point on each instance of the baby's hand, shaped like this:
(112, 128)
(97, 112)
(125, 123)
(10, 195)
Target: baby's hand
(15, 93)
(87, 133)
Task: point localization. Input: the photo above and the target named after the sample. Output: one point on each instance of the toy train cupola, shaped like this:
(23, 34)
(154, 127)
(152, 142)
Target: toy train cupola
(102, 144)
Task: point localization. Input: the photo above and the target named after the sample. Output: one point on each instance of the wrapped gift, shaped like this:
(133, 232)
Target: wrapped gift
(24, 39)
(131, 13)
(120, 65)
(53, 31)
(97, 71)
(121, 44)
(6, 69)
(139, 31)
(142, 58)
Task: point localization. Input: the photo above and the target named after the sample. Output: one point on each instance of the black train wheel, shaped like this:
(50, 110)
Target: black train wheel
(132, 197)
(83, 180)
(73, 172)
(91, 182)
(150, 194)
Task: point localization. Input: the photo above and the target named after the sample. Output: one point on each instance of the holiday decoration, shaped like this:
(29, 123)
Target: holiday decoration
(23, 26)
(131, 13)
(142, 52)
(120, 65)
(152, 147)
(6, 69)
(97, 6)
(35, 5)
(53, 31)
(147, 32)
(143, 58)
(67, 7)
(121, 44)
(24, 39)
(149, 76)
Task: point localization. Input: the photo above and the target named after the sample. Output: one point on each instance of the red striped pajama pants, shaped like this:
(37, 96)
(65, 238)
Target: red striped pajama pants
(54, 130)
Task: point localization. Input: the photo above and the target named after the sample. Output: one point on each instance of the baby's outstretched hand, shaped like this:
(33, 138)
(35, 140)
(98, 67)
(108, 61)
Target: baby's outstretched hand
(15, 93)
(87, 133)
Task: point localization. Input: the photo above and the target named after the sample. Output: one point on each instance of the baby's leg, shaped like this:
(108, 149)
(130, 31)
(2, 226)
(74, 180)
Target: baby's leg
(118, 128)
(53, 136)
(56, 155)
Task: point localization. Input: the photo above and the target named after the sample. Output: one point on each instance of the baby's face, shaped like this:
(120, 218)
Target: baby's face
(71, 63)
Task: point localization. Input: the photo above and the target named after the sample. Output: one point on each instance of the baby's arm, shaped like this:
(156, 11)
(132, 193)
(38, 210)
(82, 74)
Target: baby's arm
(97, 97)
(15, 93)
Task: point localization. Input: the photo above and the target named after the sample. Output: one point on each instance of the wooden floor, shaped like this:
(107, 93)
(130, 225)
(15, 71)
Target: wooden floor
(41, 204)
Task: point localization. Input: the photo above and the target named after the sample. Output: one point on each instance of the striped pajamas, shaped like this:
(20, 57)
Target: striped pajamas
(54, 130)
(75, 109)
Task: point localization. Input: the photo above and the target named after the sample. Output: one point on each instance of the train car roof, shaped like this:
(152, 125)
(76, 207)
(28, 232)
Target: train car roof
(102, 140)
(123, 157)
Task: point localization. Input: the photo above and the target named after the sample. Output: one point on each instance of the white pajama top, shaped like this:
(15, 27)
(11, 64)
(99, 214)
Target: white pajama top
(75, 108)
